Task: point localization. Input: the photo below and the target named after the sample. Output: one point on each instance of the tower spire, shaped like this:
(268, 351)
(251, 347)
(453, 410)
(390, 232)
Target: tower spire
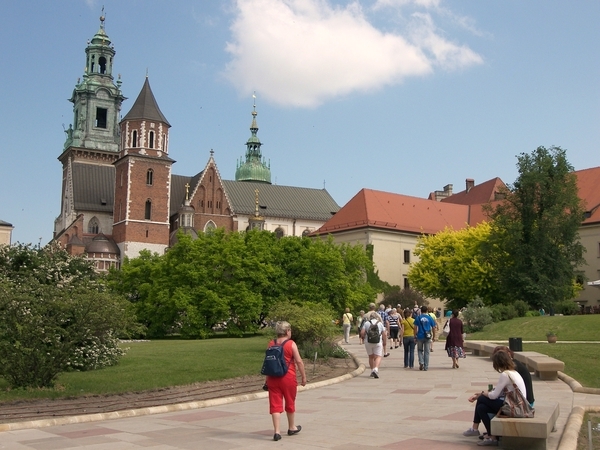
(254, 169)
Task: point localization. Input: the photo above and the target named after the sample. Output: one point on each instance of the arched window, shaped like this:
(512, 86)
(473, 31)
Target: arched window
(102, 64)
(279, 233)
(151, 139)
(150, 177)
(93, 226)
(148, 211)
(134, 138)
(209, 227)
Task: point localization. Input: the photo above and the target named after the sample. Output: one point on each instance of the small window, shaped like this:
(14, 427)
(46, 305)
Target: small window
(279, 233)
(151, 139)
(305, 232)
(148, 212)
(102, 65)
(134, 138)
(150, 177)
(406, 283)
(101, 114)
(93, 226)
(406, 256)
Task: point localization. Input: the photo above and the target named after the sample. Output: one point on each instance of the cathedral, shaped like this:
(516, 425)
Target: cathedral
(119, 195)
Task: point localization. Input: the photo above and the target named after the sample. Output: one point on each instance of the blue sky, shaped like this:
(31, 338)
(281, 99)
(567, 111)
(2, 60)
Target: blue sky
(404, 96)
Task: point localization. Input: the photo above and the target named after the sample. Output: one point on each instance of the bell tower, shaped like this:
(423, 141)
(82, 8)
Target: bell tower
(143, 179)
(93, 137)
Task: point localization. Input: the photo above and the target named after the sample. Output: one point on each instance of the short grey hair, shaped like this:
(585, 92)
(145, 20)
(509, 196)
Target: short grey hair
(281, 328)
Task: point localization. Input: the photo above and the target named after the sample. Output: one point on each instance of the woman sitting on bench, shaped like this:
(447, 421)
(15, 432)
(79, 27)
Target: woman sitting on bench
(491, 402)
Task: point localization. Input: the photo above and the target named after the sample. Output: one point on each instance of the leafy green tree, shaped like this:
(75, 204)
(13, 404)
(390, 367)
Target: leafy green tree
(55, 315)
(534, 242)
(235, 278)
(451, 266)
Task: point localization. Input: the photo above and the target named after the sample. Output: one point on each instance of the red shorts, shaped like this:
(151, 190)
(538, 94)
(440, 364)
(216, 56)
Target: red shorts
(281, 389)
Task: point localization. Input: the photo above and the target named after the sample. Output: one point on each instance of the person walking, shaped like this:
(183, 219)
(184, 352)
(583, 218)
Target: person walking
(434, 330)
(454, 340)
(372, 334)
(408, 339)
(360, 320)
(285, 387)
(346, 325)
(424, 325)
(395, 322)
(386, 328)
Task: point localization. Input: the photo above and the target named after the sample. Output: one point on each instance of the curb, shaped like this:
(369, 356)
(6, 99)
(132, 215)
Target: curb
(86, 418)
(570, 435)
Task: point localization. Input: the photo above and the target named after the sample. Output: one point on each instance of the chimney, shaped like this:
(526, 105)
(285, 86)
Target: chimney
(448, 190)
(470, 184)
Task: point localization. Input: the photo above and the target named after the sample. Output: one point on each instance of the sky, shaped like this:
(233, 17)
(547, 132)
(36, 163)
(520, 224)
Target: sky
(404, 96)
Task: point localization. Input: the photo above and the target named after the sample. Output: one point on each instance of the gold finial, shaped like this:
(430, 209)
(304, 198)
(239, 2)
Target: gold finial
(256, 202)
(102, 18)
(187, 191)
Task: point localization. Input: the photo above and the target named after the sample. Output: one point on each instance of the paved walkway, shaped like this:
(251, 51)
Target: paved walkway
(402, 409)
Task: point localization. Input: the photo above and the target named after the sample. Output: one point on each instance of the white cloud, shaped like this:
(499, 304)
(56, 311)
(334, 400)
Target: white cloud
(304, 52)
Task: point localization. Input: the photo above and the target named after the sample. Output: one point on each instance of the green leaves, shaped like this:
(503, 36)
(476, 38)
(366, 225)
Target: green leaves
(237, 278)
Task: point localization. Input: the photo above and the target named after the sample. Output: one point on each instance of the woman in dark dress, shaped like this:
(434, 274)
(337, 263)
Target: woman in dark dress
(454, 340)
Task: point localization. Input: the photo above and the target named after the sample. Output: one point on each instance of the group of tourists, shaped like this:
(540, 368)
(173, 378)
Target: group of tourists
(378, 327)
(383, 329)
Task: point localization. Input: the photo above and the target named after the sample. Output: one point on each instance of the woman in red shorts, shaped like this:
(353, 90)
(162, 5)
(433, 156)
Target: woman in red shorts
(285, 387)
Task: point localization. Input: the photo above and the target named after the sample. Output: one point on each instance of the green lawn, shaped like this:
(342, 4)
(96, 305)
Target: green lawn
(582, 361)
(156, 364)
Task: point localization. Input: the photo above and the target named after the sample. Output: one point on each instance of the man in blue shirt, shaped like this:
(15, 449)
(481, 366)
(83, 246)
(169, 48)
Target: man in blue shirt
(424, 325)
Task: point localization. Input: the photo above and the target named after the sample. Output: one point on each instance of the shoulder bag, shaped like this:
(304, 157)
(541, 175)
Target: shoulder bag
(515, 405)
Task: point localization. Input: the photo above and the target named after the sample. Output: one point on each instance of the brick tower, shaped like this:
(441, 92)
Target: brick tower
(143, 179)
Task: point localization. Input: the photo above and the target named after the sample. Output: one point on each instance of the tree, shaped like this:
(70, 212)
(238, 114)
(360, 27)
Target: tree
(534, 241)
(55, 315)
(237, 278)
(451, 266)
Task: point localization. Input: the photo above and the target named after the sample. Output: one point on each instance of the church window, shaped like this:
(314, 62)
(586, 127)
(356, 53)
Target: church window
(76, 120)
(149, 177)
(93, 226)
(164, 146)
(102, 65)
(218, 204)
(151, 139)
(209, 227)
(134, 138)
(101, 114)
(279, 233)
(93, 66)
(148, 212)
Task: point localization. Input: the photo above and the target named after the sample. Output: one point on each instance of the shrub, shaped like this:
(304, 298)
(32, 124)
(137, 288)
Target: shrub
(55, 316)
(522, 307)
(502, 312)
(325, 349)
(311, 322)
(476, 316)
(566, 307)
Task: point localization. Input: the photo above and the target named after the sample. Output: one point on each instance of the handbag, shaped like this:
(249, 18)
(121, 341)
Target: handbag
(446, 330)
(515, 404)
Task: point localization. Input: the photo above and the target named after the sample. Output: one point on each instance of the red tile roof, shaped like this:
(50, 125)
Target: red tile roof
(378, 209)
(588, 182)
(478, 194)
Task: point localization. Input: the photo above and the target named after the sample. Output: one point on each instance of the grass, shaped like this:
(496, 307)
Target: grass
(567, 328)
(582, 361)
(156, 364)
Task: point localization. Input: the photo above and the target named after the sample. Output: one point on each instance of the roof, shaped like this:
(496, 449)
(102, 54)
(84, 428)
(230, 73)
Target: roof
(588, 183)
(178, 183)
(145, 107)
(5, 224)
(93, 187)
(280, 201)
(384, 210)
(478, 194)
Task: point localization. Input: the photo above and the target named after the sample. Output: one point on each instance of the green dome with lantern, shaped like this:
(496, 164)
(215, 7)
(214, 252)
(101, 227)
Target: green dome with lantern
(255, 168)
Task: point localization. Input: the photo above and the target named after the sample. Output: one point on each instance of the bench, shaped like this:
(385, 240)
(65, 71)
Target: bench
(530, 434)
(544, 366)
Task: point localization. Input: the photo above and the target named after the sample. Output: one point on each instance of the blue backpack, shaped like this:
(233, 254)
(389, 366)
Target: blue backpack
(274, 364)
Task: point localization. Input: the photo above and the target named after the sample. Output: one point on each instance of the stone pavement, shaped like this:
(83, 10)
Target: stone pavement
(402, 409)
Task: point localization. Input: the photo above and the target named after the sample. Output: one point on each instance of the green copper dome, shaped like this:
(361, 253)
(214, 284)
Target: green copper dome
(254, 168)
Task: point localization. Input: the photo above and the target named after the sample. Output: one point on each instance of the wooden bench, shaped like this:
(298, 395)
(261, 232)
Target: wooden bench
(530, 434)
